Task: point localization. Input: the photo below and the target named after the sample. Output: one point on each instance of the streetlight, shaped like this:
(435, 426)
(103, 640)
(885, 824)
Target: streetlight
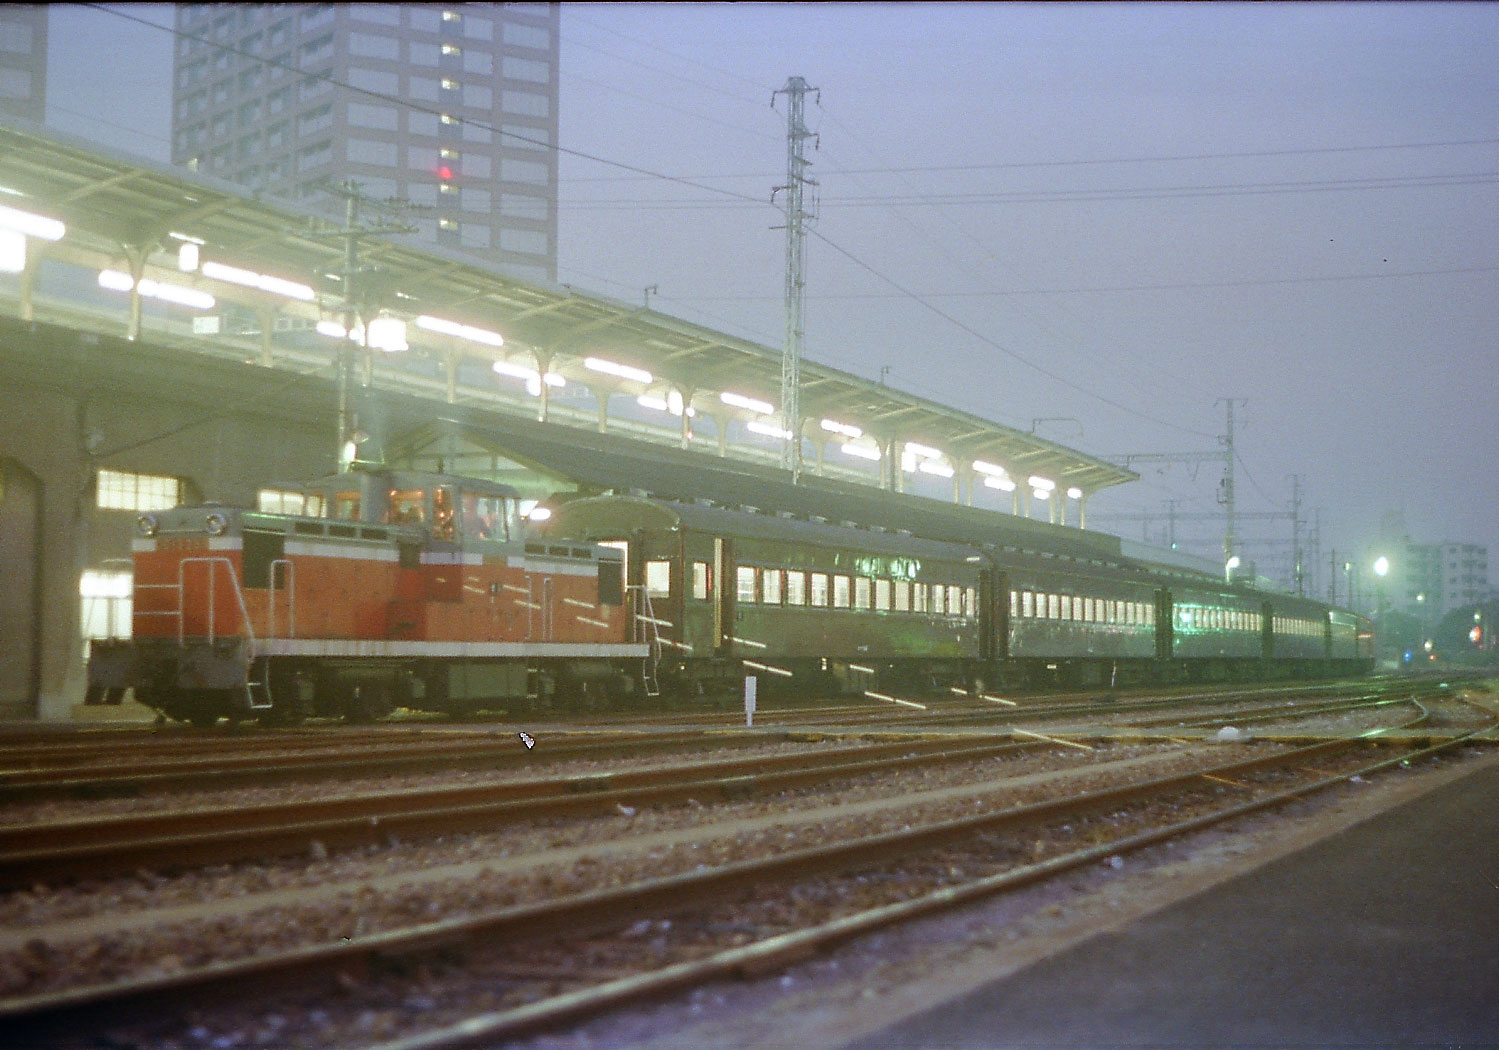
(1381, 570)
(1229, 567)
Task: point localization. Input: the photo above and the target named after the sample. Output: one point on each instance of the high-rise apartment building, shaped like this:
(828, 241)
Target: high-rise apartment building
(23, 61)
(452, 107)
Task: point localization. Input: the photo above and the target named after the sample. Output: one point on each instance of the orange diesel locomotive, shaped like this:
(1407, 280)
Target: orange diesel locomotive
(391, 589)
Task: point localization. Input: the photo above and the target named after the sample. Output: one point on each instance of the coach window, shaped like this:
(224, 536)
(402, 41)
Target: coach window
(862, 590)
(1054, 606)
(939, 599)
(744, 584)
(796, 587)
(954, 600)
(970, 603)
(902, 595)
(820, 589)
(770, 586)
(1066, 601)
(882, 595)
(842, 592)
(700, 578)
(658, 578)
(1027, 604)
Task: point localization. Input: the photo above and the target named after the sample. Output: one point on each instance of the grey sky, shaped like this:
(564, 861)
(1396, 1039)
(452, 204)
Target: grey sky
(1161, 205)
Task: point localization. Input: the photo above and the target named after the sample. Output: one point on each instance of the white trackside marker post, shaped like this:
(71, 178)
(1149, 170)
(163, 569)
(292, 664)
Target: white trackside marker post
(528, 740)
(751, 684)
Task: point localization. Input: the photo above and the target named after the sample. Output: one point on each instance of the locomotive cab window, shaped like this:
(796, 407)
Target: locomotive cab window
(407, 507)
(344, 506)
(485, 517)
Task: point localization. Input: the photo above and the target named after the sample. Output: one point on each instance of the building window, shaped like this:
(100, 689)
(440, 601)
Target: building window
(529, 242)
(121, 490)
(517, 35)
(512, 68)
(525, 103)
(383, 118)
(106, 604)
(525, 171)
(368, 45)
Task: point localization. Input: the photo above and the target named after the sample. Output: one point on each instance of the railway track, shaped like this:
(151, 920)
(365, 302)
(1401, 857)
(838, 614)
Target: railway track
(881, 878)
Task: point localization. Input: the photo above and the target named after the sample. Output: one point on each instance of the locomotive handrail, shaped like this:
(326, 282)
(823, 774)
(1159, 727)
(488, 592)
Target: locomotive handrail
(291, 599)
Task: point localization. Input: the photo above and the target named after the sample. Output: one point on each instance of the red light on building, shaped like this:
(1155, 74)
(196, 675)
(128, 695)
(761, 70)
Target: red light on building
(1476, 635)
(444, 172)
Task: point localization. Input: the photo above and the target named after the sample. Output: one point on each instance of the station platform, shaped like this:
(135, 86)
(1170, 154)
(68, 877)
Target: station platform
(1384, 935)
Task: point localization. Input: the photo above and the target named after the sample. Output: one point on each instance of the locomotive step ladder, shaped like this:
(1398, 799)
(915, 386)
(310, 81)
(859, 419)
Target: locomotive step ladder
(257, 692)
(646, 625)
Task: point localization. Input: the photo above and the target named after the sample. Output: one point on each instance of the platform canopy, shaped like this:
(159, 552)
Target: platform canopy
(134, 217)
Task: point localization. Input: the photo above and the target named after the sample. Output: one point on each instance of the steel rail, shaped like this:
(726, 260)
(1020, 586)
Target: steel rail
(782, 950)
(498, 751)
(54, 853)
(601, 910)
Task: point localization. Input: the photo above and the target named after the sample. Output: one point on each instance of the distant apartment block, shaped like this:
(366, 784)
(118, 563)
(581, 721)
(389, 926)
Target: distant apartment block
(23, 61)
(448, 106)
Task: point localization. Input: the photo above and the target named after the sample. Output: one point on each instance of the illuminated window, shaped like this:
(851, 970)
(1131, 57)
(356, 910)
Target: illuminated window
(106, 598)
(279, 501)
(861, 592)
(658, 579)
(882, 595)
(700, 579)
(954, 600)
(121, 490)
(796, 587)
(939, 599)
(820, 589)
(770, 586)
(1066, 606)
(1053, 607)
(1027, 605)
(451, 49)
(744, 581)
(902, 595)
(970, 603)
(842, 592)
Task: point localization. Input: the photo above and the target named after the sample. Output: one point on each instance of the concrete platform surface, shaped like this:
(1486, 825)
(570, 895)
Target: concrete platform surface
(1385, 935)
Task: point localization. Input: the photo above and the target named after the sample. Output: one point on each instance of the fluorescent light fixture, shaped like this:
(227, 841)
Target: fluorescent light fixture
(860, 451)
(932, 466)
(924, 451)
(992, 469)
(832, 426)
(652, 402)
(1003, 484)
(1074, 493)
(529, 376)
(674, 403)
(186, 238)
(461, 331)
(756, 426)
(38, 226)
(119, 281)
(187, 257)
(332, 329)
(1035, 481)
(12, 251)
(613, 368)
(750, 404)
(388, 334)
(266, 283)
(1041, 493)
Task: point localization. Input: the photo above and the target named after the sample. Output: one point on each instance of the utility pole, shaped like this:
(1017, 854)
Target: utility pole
(797, 218)
(360, 298)
(1227, 498)
(1297, 568)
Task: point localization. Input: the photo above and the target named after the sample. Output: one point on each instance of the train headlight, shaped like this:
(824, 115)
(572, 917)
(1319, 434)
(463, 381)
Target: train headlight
(146, 525)
(216, 523)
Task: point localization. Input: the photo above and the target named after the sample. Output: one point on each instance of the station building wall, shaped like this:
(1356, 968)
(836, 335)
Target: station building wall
(74, 403)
